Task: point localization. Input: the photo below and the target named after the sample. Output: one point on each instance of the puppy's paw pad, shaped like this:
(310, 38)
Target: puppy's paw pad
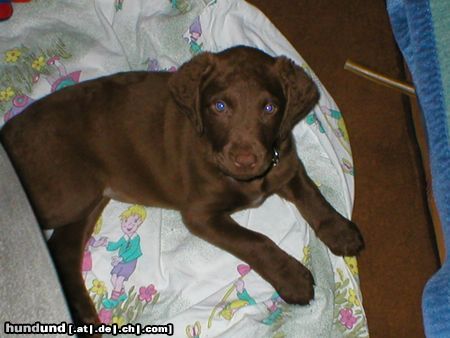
(343, 239)
(84, 313)
(297, 286)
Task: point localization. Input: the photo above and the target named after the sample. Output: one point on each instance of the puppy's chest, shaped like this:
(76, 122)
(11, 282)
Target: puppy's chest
(256, 201)
(247, 194)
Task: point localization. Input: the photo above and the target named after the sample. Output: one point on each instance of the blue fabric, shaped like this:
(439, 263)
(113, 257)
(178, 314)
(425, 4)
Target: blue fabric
(418, 31)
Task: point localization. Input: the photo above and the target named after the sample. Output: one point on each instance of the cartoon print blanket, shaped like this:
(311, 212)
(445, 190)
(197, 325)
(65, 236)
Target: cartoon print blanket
(141, 265)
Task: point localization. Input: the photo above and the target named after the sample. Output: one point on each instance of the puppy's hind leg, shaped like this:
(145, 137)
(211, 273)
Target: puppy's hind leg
(66, 247)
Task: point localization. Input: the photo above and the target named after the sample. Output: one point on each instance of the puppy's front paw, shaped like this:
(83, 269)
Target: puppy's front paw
(295, 283)
(83, 314)
(342, 237)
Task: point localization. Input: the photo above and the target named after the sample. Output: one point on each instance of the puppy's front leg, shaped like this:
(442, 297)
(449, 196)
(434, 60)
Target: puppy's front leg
(66, 247)
(288, 276)
(338, 233)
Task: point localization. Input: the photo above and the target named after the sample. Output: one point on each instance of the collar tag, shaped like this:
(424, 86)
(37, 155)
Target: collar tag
(275, 157)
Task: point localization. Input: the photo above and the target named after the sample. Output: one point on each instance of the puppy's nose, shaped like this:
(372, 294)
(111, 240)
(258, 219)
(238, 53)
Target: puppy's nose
(245, 160)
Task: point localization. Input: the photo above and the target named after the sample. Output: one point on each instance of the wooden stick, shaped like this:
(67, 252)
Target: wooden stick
(403, 87)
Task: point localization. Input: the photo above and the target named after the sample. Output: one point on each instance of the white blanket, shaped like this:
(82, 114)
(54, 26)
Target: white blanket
(173, 276)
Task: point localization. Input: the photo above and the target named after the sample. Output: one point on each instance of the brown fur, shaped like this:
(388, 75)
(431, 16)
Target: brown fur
(157, 139)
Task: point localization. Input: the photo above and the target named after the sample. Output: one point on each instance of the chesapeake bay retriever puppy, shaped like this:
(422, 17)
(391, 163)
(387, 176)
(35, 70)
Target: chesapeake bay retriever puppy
(211, 139)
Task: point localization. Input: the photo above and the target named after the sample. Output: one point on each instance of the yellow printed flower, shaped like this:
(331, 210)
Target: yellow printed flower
(38, 63)
(119, 320)
(279, 335)
(6, 94)
(352, 264)
(353, 298)
(343, 129)
(98, 287)
(98, 226)
(11, 56)
(306, 254)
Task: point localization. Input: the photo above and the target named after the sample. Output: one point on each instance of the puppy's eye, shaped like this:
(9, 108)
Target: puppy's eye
(270, 108)
(220, 106)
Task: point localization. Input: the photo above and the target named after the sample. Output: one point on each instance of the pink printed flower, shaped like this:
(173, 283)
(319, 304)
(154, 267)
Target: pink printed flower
(147, 293)
(243, 269)
(347, 318)
(105, 316)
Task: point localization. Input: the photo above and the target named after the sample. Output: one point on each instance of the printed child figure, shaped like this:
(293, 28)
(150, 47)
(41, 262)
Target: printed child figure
(195, 32)
(86, 265)
(129, 250)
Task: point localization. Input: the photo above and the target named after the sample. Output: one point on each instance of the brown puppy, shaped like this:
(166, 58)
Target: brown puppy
(208, 140)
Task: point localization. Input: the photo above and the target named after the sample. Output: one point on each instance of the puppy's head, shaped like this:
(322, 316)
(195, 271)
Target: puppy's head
(245, 102)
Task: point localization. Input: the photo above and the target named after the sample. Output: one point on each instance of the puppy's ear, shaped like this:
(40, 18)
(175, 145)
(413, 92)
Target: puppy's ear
(300, 91)
(186, 84)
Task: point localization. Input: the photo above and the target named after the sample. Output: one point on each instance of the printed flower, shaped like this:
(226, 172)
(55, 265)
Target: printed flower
(243, 269)
(119, 320)
(353, 298)
(11, 56)
(6, 94)
(343, 130)
(105, 316)
(147, 293)
(306, 254)
(98, 287)
(38, 63)
(352, 264)
(347, 318)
